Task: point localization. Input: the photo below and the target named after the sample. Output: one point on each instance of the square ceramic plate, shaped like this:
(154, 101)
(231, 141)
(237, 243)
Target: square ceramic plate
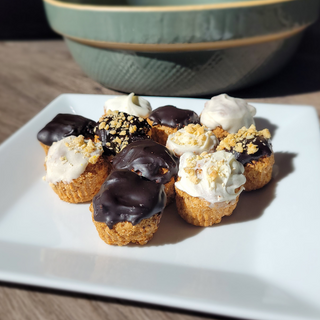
(260, 263)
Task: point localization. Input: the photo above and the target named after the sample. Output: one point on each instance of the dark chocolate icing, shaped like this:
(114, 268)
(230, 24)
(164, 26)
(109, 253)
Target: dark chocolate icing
(120, 130)
(65, 125)
(173, 117)
(265, 149)
(126, 196)
(148, 158)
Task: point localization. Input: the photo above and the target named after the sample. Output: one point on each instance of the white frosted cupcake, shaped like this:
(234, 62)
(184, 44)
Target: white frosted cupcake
(76, 168)
(130, 104)
(224, 114)
(208, 187)
(192, 138)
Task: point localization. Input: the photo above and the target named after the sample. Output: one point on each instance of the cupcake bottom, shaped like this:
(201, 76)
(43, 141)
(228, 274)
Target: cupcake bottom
(220, 133)
(200, 212)
(45, 147)
(258, 173)
(169, 190)
(123, 233)
(84, 188)
(160, 133)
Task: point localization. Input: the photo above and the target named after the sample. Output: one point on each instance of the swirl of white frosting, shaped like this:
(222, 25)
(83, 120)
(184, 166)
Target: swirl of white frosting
(68, 158)
(230, 113)
(194, 138)
(214, 177)
(130, 104)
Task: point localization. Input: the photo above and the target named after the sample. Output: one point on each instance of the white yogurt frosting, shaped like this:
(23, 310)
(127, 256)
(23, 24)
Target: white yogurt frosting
(130, 104)
(194, 138)
(68, 158)
(214, 177)
(230, 113)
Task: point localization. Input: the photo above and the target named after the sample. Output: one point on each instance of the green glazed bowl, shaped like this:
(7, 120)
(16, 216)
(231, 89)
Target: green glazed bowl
(185, 48)
(183, 73)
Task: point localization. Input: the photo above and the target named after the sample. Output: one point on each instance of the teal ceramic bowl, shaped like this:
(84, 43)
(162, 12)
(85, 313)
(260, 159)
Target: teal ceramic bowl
(181, 49)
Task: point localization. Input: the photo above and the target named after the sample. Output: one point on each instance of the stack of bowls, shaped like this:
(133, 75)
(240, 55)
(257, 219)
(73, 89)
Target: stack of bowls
(181, 47)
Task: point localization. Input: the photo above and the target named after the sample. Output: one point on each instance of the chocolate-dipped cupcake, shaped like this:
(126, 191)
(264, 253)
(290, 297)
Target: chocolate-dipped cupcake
(128, 208)
(168, 119)
(116, 130)
(152, 161)
(254, 150)
(64, 125)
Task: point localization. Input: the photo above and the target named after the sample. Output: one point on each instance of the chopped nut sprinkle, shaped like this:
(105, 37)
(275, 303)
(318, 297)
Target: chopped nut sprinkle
(192, 135)
(194, 173)
(120, 129)
(86, 147)
(245, 140)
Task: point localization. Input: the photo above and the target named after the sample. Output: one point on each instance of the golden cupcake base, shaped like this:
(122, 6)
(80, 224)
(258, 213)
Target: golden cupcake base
(220, 133)
(258, 173)
(199, 212)
(160, 133)
(170, 191)
(84, 188)
(124, 233)
(45, 147)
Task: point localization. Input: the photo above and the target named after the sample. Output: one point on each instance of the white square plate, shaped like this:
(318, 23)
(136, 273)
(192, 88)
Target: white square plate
(263, 262)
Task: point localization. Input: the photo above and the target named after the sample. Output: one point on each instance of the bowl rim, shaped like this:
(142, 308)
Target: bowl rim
(196, 7)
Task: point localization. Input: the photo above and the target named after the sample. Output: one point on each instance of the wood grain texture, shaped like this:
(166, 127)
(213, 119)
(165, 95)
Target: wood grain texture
(34, 73)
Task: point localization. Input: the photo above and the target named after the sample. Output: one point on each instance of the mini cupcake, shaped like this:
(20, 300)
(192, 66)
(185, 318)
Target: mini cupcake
(224, 114)
(65, 125)
(254, 150)
(76, 168)
(152, 161)
(128, 208)
(130, 104)
(167, 120)
(117, 129)
(208, 187)
(194, 138)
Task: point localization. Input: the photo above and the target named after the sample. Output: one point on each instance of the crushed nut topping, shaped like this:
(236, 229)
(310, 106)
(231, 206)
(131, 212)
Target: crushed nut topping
(192, 135)
(194, 173)
(117, 129)
(86, 147)
(245, 140)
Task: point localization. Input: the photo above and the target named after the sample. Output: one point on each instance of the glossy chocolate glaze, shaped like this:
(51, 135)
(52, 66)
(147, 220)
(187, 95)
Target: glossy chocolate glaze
(173, 117)
(64, 125)
(126, 196)
(265, 149)
(120, 130)
(147, 158)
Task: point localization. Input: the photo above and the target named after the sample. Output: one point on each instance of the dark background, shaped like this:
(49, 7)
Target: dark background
(24, 19)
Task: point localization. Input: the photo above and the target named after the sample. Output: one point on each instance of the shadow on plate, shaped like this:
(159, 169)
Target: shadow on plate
(174, 229)
(262, 123)
(252, 204)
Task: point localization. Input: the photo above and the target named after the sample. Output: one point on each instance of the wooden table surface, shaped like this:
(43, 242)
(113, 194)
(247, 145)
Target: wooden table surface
(34, 73)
